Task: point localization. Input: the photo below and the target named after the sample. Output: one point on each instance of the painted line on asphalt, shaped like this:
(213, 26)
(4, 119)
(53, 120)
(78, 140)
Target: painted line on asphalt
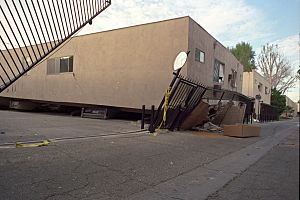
(33, 143)
(111, 135)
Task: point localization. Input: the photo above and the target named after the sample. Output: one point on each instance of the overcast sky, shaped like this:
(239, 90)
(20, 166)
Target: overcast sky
(229, 21)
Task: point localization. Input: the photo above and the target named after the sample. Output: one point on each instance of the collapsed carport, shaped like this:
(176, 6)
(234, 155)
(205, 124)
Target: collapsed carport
(188, 104)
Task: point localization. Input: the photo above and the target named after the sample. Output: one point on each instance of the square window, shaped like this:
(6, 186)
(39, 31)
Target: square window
(232, 78)
(259, 87)
(267, 91)
(199, 56)
(60, 65)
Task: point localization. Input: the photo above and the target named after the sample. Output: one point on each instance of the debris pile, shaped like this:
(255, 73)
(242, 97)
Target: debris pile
(209, 127)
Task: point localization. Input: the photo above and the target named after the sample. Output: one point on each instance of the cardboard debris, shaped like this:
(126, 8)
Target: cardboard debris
(221, 113)
(234, 115)
(230, 114)
(242, 130)
(197, 117)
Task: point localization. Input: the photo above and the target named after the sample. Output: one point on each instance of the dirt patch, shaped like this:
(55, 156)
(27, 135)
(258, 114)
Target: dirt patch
(208, 135)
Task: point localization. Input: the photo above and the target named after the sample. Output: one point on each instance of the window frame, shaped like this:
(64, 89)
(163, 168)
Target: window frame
(260, 87)
(267, 91)
(217, 65)
(233, 80)
(198, 54)
(57, 67)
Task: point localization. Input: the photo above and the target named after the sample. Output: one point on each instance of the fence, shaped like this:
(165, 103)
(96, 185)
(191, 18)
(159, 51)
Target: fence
(184, 96)
(268, 113)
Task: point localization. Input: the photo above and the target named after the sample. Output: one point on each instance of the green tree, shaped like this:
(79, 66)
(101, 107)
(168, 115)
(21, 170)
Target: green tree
(278, 100)
(244, 53)
(288, 110)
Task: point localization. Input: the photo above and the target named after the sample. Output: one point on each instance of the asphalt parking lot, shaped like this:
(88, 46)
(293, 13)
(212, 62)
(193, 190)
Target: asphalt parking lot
(24, 126)
(109, 166)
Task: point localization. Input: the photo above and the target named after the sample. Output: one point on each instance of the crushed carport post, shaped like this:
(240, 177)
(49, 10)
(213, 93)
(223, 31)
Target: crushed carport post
(198, 116)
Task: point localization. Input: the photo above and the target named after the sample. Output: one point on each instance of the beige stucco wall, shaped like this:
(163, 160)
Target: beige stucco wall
(247, 88)
(201, 39)
(250, 88)
(126, 67)
(291, 103)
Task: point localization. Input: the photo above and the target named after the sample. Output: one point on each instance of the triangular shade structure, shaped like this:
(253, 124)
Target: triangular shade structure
(30, 30)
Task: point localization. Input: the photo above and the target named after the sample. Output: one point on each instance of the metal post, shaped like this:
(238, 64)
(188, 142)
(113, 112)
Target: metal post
(152, 115)
(159, 109)
(82, 111)
(143, 117)
(258, 117)
(221, 98)
(176, 76)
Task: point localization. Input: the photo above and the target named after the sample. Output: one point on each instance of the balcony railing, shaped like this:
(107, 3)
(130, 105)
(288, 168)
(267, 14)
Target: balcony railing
(31, 29)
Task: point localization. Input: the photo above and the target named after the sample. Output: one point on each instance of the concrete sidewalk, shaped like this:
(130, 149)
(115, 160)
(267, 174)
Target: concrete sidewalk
(274, 177)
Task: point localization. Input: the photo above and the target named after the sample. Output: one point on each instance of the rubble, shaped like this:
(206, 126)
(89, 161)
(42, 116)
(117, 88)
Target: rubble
(209, 127)
(198, 116)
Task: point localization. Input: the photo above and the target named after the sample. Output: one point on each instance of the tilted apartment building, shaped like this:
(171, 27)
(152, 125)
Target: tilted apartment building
(258, 87)
(128, 67)
(289, 102)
